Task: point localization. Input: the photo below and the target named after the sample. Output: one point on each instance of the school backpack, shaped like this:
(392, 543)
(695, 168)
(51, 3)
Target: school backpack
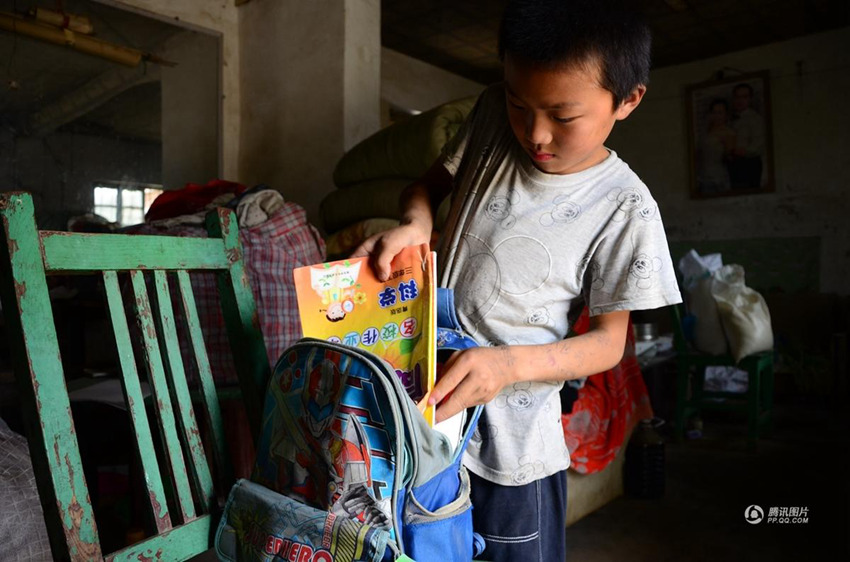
(347, 468)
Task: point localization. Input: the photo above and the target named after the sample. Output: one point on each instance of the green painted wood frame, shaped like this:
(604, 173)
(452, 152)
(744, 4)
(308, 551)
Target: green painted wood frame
(691, 397)
(30, 256)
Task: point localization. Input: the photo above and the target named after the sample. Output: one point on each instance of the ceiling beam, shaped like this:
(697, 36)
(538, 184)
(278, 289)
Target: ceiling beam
(88, 97)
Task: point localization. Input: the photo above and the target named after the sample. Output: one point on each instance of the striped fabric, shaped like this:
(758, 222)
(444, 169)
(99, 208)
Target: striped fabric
(271, 250)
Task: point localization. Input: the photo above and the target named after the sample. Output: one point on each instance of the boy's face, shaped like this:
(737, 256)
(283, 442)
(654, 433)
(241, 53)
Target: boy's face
(562, 116)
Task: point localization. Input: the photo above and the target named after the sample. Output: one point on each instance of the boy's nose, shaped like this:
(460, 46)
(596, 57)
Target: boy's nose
(536, 130)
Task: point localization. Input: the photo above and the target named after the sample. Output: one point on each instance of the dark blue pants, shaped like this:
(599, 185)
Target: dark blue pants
(525, 523)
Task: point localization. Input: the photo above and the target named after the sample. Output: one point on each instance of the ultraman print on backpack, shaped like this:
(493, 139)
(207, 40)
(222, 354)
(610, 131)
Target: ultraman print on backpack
(348, 469)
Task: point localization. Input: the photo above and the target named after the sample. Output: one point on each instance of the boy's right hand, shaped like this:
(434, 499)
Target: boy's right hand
(384, 246)
(417, 204)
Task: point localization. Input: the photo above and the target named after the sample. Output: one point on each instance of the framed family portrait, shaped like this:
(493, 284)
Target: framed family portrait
(730, 137)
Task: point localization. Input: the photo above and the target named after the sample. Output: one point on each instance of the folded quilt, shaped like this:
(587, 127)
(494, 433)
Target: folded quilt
(365, 200)
(406, 149)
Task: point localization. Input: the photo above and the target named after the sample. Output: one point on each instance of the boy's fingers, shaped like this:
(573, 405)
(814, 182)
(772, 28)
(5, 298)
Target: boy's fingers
(422, 405)
(382, 257)
(382, 265)
(366, 248)
(377, 261)
(361, 250)
(449, 380)
(453, 404)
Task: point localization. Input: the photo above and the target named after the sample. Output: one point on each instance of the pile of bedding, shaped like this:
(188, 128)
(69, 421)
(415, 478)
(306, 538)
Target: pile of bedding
(371, 176)
(275, 238)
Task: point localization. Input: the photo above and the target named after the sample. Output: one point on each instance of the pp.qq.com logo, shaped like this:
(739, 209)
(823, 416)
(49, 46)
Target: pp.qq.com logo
(777, 515)
(754, 514)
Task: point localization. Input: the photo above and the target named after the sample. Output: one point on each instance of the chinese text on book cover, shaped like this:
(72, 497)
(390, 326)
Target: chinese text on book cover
(343, 302)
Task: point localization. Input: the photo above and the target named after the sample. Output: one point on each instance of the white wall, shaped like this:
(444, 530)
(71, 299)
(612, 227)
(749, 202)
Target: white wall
(809, 81)
(310, 75)
(190, 110)
(411, 84)
(361, 70)
(300, 85)
(219, 17)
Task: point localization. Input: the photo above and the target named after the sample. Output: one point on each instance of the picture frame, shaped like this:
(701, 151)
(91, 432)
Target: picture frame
(730, 136)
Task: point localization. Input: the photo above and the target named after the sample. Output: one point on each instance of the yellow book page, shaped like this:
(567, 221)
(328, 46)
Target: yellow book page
(344, 302)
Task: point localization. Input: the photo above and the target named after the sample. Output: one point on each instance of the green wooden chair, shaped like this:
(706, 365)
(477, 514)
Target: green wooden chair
(30, 256)
(691, 397)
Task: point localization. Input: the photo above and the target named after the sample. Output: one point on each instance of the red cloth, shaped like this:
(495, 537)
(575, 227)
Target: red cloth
(608, 407)
(189, 200)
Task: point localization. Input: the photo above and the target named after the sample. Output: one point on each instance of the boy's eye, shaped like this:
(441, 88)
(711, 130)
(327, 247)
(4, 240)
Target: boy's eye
(564, 119)
(514, 104)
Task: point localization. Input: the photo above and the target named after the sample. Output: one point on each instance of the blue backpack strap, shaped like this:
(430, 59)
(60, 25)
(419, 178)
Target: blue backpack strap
(450, 334)
(471, 422)
(450, 338)
(446, 314)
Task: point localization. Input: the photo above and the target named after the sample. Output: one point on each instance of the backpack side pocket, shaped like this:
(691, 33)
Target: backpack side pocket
(259, 524)
(439, 533)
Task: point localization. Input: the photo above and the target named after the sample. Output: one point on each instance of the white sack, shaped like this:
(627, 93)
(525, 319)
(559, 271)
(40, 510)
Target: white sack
(743, 312)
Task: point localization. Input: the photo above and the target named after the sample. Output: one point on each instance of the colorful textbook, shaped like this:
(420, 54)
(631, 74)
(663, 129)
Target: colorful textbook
(343, 302)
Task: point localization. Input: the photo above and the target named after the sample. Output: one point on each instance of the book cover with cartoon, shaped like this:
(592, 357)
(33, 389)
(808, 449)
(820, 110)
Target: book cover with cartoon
(343, 302)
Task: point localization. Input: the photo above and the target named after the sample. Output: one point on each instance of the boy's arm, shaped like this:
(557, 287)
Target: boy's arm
(418, 205)
(477, 375)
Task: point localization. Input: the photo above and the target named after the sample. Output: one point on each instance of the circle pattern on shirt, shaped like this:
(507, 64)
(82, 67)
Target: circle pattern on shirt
(488, 273)
(477, 288)
(537, 260)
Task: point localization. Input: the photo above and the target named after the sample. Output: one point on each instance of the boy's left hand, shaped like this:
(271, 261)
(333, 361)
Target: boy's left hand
(471, 377)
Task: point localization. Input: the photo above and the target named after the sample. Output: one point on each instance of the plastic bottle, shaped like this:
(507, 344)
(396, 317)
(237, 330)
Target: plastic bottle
(644, 464)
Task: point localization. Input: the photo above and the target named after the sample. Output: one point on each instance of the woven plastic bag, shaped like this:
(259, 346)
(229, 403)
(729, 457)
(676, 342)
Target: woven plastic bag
(743, 312)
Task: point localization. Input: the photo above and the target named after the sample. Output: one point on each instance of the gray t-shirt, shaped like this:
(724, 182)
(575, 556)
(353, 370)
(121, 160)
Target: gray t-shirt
(524, 252)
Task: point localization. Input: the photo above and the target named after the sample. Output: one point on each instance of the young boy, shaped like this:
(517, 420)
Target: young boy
(545, 220)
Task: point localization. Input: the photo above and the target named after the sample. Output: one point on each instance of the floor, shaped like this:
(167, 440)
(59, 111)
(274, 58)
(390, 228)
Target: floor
(711, 482)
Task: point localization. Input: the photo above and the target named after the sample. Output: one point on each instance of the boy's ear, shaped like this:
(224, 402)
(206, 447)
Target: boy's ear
(630, 103)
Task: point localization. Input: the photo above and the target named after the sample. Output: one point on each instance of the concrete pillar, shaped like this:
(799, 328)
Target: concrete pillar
(221, 19)
(310, 90)
(412, 84)
(362, 70)
(190, 110)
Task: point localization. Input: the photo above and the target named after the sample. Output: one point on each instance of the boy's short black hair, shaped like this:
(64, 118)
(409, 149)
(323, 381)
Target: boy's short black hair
(556, 32)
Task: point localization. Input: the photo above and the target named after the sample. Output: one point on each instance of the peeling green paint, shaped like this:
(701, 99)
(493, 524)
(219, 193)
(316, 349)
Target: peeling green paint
(30, 256)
